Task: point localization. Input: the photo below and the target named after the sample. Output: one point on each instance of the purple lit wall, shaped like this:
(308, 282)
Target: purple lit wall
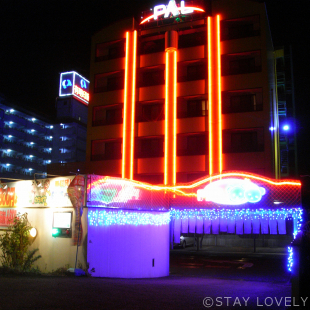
(128, 244)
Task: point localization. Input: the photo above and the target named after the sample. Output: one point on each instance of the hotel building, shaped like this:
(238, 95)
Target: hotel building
(188, 90)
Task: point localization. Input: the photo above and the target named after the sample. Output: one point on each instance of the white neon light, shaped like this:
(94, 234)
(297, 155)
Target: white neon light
(231, 192)
(171, 9)
(77, 89)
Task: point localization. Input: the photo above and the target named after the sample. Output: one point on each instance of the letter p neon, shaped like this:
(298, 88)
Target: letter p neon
(159, 10)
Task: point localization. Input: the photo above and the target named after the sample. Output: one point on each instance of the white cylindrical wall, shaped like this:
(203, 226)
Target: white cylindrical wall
(128, 250)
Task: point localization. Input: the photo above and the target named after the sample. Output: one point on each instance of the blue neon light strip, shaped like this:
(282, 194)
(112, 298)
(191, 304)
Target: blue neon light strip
(120, 217)
(251, 214)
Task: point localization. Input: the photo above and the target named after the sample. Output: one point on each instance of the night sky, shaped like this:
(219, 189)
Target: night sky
(41, 39)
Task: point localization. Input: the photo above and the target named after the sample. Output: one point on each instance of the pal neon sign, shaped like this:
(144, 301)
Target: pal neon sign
(231, 191)
(172, 9)
(71, 83)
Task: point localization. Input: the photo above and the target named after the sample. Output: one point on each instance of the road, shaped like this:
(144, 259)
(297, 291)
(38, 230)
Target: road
(197, 280)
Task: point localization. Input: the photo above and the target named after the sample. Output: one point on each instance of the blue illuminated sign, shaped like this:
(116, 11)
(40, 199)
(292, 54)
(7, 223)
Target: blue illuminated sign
(73, 84)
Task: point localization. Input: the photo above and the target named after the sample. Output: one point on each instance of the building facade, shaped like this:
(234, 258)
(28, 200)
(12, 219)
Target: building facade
(183, 93)
(26, 142)
(30, 144)
(286, 112)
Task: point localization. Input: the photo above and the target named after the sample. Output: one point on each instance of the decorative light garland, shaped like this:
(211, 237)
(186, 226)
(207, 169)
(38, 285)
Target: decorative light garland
(290, 260)
(120, 217)
(246, 214)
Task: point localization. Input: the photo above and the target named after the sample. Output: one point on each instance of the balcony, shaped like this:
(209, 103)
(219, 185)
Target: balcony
(12, 160)
(68, 131)
(12, 146)
(19, 121)
(36, 127)
(66, 156)
(33, 138)
(18, 134)
(67, 143)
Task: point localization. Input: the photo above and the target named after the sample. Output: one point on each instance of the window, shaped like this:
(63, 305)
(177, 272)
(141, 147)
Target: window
(150, 178)
(152, 45)
(151, 77)
(109, 82)
(150, 111)
(192, 144)
(242, 101)
(150, 147)
(110, 50)
(243, 140)
(188, 39)
(240, 28)
(108, 115)
(191, 71)
(241, 63)
(106, 149)
(191, 107)
(196, 72)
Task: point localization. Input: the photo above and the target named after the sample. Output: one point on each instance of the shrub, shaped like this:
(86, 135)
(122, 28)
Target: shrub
(15, 243)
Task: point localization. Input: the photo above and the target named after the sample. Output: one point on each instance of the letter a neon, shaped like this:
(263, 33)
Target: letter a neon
(172, 8)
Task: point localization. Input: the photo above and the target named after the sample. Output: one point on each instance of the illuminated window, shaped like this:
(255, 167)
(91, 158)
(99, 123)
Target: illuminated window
(192, 144)
(106, 149)
(242, 101)
(110, 50)
(243, 140)
(240, 28)
(151, 76)
(150, 111)
(107, 115)
(149, 147)
(241, 63)
(191, 107)
(109, 82)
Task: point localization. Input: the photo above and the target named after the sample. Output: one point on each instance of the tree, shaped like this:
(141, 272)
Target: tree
(15, 243)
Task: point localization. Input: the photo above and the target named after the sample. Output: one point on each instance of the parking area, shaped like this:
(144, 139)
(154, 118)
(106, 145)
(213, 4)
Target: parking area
(197, 280)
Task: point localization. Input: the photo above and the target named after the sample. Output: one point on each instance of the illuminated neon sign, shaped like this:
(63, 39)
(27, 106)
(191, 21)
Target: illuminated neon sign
(114, 191)
(71, 83)
(171, 9)
(231, 191)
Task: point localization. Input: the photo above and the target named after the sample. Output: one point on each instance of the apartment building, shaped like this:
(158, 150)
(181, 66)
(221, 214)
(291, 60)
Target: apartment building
(31, 144)
(26, 142)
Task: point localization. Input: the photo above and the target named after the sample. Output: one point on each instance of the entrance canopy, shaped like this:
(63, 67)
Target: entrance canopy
(230, 190)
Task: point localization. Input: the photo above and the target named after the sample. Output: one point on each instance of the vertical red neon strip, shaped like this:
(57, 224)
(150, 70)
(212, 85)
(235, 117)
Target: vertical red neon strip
(166, 123)
(129, 105)
(133, 102)
(210, 97)
(219, 73)
(125, 107)
(170, 117)
(174, 116)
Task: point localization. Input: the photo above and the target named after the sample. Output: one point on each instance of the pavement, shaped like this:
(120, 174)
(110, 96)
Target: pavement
(206, 279)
